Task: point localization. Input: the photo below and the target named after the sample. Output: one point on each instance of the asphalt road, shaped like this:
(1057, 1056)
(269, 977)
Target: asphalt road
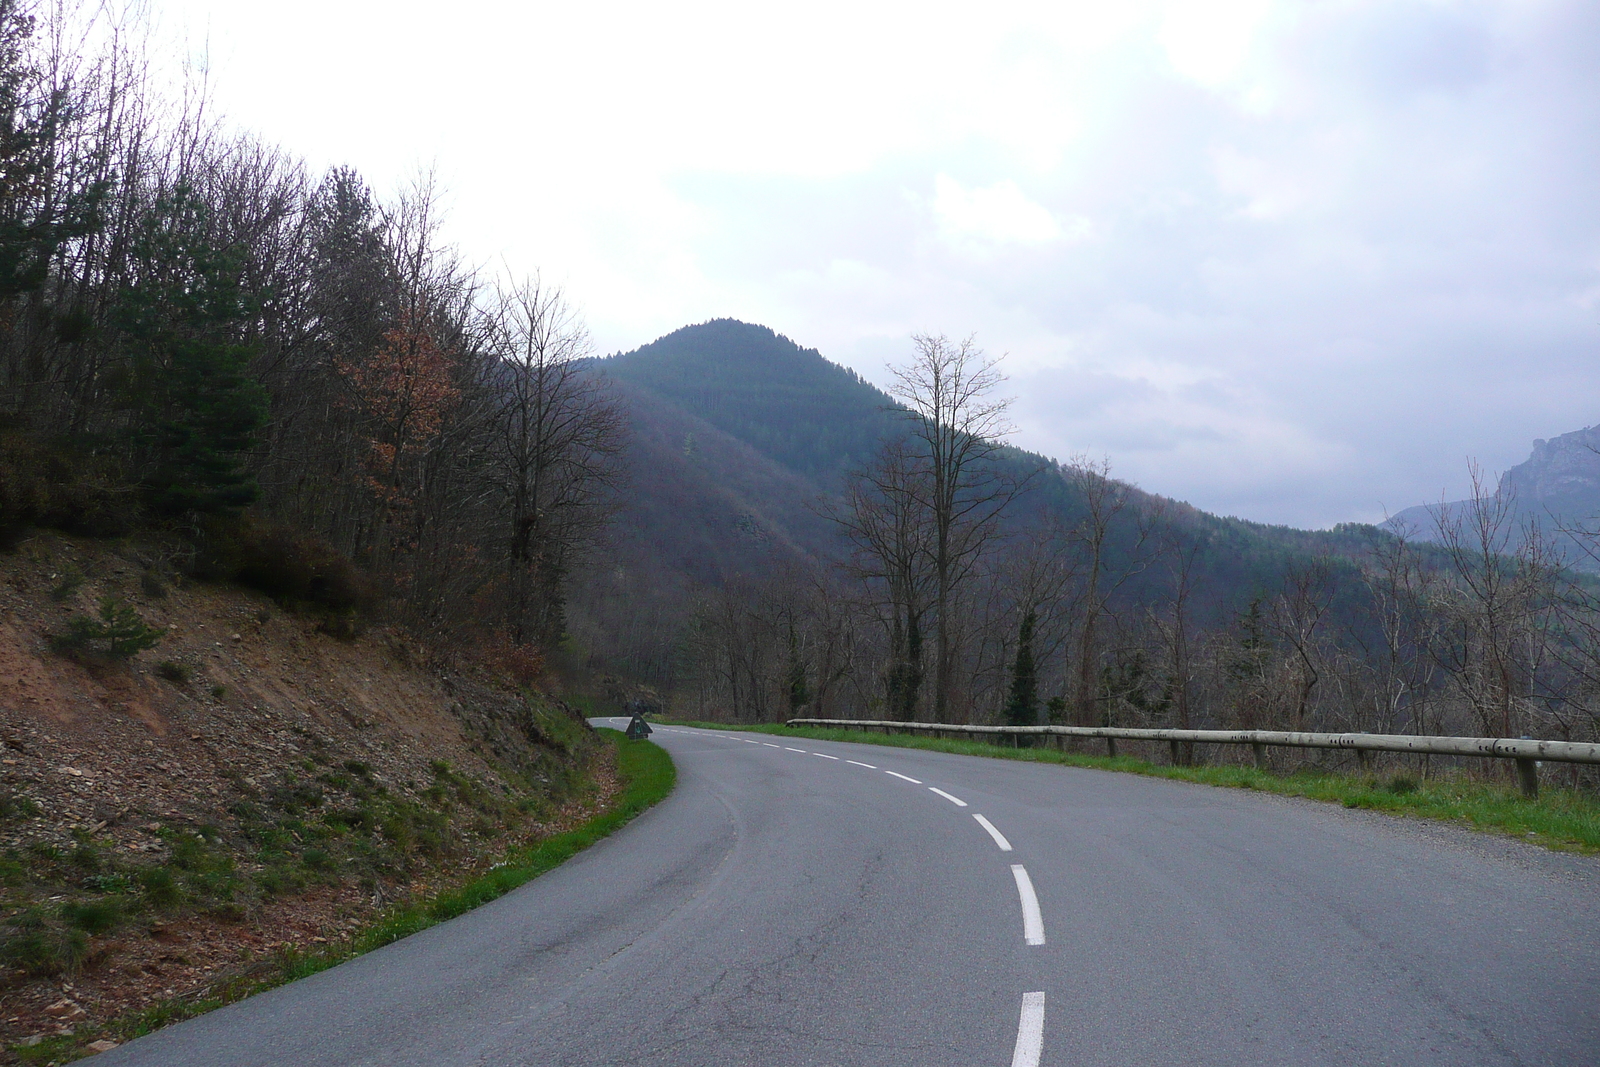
(784, 908)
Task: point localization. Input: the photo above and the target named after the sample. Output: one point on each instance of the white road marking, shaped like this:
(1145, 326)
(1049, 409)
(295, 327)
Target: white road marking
(769, 744)
(858, 763)
(957, 801)
(1032, 921)
(897, 774)
(1030, 1032)
(999, 838)
(824, 755)
(802, 751)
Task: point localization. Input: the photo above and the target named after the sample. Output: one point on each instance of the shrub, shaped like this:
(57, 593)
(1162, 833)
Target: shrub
(96, 917)
(524, 663)
(87, 858)
(151, 585)
(71, 581)
(56, 485)
(161, 890)
(274, 880)
(176, 673)
(16, 806)
(295, 568)
(1400, 785)
(293, 797)
(42, 950)
(189, 852)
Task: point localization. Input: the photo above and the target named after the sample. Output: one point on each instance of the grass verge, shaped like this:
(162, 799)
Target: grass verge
(1562, 819)
(647, 775)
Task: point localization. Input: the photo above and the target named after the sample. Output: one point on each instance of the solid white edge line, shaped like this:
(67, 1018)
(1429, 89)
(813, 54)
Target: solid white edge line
(999, 838)
(1032, 921)
(858, 763)
(1030, 1032)
(957, 801)
(824, 755)
(907, 777)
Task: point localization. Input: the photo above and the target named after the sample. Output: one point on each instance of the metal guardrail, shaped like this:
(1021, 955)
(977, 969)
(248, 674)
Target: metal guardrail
(1527, 753)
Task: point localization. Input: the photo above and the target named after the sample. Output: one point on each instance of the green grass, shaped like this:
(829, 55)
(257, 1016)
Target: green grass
(1563, 819)
(647, 775)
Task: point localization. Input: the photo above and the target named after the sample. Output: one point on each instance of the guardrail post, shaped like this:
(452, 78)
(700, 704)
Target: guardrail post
(1528, 777)
(1261, 754)
(1111, 747)
(1363, 757)
(1175, 760)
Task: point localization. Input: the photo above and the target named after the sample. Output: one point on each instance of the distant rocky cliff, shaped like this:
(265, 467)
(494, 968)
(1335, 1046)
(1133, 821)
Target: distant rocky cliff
(1557, 486)
(1563, 475)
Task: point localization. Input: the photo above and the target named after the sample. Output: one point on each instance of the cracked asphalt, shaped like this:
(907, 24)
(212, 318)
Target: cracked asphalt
(780, 909)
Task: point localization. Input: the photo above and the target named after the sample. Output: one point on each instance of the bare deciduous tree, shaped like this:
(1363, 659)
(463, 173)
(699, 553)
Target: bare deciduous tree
(554, 448)
(958, 424)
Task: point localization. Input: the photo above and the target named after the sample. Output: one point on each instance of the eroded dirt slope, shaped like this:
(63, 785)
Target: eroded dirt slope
(249, 784)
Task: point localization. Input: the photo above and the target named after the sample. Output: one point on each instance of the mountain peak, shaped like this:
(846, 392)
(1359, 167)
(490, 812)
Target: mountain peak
(810, 414)
(1562, 473)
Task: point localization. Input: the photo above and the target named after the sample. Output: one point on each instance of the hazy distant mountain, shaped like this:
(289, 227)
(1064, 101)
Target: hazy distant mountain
(1557, 486)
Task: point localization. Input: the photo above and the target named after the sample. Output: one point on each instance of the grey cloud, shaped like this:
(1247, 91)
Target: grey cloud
(1416, 296)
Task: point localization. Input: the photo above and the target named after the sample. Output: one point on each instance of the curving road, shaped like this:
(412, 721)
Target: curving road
(811, 903)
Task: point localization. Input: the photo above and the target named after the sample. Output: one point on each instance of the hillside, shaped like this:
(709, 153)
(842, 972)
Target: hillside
(796, 413)
(741, 438)
(248, 786)
(788, 403)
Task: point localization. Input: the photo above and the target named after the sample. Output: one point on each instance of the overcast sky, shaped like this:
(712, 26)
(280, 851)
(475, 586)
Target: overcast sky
(1289, 261)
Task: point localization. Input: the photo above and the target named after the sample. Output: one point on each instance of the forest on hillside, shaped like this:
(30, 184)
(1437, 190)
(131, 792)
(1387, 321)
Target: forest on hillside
(961, 580)
(281, 377)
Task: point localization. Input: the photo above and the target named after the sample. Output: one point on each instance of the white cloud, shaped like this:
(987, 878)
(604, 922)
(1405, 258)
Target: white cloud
(997, 214)
(1335, 248)
(1209, 42)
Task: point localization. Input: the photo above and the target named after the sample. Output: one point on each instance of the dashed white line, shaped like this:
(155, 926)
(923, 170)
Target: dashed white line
(1032, 921)
(957, 801)
(907, 777)
(824, 755)
(769, 744)
(802, 751)
(1030, 1032)
(858, 763)
(999, 838)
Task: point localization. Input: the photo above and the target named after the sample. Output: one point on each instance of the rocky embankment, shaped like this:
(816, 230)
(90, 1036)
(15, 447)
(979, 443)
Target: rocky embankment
(247, 785)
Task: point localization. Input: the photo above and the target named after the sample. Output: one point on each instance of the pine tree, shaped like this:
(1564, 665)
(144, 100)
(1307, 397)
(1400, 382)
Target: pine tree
(1023, 707)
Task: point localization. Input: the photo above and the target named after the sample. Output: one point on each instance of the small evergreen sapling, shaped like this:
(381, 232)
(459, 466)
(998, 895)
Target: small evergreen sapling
(119, 626)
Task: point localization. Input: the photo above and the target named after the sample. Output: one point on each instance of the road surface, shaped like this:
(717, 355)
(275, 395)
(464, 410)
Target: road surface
(814, 904)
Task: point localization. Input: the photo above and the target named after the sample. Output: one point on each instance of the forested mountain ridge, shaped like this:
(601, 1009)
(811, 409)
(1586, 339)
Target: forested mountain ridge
(748, 575)
(821, 420)
(813, 416)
